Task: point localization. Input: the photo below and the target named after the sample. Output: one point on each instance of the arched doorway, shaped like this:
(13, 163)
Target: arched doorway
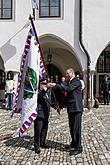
(62, 54)
(102, 68)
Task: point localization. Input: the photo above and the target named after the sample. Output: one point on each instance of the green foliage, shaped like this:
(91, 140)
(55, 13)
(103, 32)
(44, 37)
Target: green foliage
(31, 81)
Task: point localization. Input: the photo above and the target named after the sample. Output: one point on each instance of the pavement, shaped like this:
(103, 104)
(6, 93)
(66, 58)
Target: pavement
(95, 140)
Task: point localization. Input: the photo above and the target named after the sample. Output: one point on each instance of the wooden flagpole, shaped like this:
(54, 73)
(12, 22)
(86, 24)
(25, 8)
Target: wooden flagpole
(36, 36)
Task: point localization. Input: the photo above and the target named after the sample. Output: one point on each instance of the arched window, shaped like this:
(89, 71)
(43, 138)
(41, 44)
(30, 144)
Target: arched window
(2, 79)
(103, 63)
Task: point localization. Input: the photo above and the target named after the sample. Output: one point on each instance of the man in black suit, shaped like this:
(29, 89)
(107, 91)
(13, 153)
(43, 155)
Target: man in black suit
(74, 108)
(105, 89)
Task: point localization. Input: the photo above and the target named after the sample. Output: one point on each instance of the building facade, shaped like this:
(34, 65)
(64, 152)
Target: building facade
(72, 33)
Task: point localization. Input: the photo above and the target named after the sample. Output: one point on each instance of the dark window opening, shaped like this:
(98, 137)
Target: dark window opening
(10, 75)
(54, 73)
(2, 79)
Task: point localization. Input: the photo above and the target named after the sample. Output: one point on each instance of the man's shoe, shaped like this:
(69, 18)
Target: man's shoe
(45, 146)
(69, 146)
(75, 152)
(37, 150)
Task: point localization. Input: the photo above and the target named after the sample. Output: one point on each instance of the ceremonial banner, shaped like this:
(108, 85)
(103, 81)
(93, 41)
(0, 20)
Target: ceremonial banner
(27, 91)
(42, 72)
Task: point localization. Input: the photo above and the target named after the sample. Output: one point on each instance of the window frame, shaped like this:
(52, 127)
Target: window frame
(3, 9)
(49, 16)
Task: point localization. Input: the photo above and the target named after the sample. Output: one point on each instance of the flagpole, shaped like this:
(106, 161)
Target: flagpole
(36, 36)
(32, 23)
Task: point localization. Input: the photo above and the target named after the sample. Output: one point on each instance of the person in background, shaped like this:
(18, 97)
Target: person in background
(74, 108)
(9, 90)
(63, 80)
(41, 122)
(56, 94)
(105, 89)
(63, 95)
(82, 84)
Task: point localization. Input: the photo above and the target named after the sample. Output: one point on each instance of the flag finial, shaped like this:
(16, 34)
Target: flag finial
(31, 17)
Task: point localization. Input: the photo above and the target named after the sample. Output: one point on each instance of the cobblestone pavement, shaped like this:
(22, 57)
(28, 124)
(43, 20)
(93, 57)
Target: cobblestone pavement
(95, 140)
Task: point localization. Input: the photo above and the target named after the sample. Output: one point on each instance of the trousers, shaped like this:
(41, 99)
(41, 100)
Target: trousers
(75, 129)
(9, 101)
(40, 131)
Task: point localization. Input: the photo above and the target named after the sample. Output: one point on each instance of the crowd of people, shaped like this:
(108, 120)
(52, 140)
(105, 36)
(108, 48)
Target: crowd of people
(57, 94)
(68, 92)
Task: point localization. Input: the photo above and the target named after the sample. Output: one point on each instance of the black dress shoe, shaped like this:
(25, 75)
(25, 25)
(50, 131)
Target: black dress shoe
(45, 146)
(69, 146)
(37, 150)
(75, 152)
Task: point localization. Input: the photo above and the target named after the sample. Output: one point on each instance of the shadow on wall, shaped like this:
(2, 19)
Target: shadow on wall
(8, 50)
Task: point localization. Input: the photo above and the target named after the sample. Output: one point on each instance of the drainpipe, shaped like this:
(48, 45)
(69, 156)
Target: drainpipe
(88, 57)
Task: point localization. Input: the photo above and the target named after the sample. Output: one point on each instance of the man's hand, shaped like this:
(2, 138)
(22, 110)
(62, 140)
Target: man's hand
(51, 85)
(43, 86)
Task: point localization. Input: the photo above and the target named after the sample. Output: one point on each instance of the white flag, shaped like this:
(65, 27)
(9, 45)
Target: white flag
(29, 82)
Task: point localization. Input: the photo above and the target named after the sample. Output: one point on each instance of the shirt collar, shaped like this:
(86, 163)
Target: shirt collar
(72, 78)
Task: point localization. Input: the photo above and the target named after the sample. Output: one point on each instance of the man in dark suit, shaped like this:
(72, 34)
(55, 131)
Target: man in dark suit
(105, 89)
(74, 108)
(41, 122)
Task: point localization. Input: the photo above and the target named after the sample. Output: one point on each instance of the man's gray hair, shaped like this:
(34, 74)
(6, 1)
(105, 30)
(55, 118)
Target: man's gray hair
(71, 70)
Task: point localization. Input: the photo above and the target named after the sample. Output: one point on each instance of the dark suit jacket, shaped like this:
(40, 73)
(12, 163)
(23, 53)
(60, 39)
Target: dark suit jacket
(105, 86)
(44, 103)
(74, 95)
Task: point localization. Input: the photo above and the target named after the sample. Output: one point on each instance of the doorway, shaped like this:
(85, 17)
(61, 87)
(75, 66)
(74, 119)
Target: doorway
(54, 73)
